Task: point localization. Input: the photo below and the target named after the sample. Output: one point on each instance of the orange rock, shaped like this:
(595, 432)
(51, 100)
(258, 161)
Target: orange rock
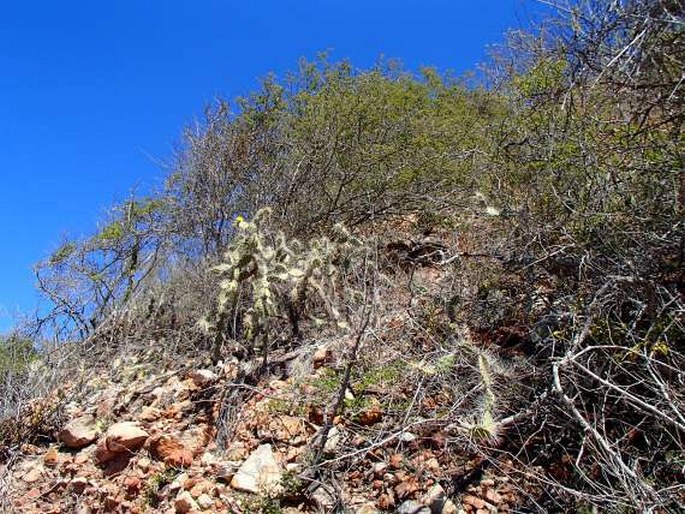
(51, 457)
(372, 415)
(396, 460)
(171, 451)
(473, 501)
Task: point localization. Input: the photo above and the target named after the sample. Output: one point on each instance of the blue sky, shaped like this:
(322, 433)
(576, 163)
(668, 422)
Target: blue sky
(94, 95)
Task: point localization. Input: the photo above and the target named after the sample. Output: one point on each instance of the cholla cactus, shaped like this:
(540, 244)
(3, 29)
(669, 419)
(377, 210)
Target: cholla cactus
(276, 275)
(484, 427)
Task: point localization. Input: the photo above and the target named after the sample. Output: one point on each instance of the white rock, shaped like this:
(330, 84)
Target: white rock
(407, 437)
(333, 440)
(202, 377)
(412, 507)
(379, 468)
(178, 482)
(205, 501)
(260, 473)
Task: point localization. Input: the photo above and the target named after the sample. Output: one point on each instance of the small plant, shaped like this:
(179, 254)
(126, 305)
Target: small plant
(484, 428)
(156, 483)
(264, 504)
(292, 485)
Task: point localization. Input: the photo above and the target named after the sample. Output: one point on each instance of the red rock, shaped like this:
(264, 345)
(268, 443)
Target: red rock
(171, 451)
(493, 497)
(396, 460)
(132, 485)
(406, 489)
(103, 454)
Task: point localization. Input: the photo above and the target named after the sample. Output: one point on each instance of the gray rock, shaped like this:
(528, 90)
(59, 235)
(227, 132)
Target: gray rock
(324, 499)
(435, 499)
(412, 507)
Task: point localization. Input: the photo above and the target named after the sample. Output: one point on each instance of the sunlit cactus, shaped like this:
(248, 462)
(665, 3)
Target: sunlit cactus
(274, 277)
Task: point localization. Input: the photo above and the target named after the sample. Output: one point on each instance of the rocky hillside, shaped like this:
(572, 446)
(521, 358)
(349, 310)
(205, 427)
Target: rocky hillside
(149, 444)
(383, 290)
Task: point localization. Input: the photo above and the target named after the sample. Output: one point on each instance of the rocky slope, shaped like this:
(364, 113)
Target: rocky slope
(165, 442)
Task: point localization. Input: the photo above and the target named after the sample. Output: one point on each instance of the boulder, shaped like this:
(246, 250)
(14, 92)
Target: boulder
(125, 436)
(121, 438)
(79, 432)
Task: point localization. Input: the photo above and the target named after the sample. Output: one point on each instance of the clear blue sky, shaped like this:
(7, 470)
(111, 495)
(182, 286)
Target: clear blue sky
(94, 93)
